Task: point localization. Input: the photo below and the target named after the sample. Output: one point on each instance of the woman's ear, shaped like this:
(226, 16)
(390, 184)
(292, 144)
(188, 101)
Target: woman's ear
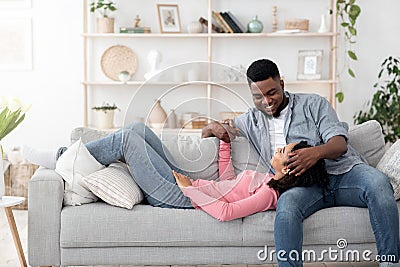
(285, 170)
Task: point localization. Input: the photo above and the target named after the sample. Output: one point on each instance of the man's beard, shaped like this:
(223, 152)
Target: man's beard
(281, 107)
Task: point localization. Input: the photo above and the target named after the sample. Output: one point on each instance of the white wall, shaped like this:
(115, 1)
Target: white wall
(54, 89)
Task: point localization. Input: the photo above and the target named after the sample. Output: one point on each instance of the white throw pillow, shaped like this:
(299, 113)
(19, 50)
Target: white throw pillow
(390, 165)
(73, 165)
(115, 185)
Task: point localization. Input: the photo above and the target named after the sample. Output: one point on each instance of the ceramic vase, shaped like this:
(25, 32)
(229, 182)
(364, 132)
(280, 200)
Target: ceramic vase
(255, 26)
(2, 185)
(172, 120)
(104, 119)
(323, 28)
(195, 27)
(105, 25)
(157, 116)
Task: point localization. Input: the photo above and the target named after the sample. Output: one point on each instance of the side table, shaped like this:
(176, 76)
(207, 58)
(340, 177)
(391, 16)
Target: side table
(7, 202)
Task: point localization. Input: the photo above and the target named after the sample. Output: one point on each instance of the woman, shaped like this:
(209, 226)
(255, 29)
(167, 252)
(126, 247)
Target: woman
(250, 192)
(151, 164)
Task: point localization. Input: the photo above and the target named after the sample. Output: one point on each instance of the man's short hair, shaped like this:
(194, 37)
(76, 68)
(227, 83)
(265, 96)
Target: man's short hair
(261, 70)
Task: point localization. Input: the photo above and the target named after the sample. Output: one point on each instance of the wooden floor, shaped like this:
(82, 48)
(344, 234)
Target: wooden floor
(9, 258)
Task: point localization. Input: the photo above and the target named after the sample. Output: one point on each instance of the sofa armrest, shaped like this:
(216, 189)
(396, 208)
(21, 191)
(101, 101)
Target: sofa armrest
(46, 192)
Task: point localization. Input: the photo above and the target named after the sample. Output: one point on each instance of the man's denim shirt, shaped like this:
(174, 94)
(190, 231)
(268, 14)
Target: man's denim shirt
(310, 118)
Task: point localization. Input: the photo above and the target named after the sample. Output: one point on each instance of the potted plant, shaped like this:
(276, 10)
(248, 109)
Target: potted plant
(104, 23)
(105, 115)
(12, 113)
(385, 103)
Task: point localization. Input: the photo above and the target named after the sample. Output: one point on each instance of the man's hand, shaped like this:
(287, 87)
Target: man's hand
(224, 131)
(301, 160)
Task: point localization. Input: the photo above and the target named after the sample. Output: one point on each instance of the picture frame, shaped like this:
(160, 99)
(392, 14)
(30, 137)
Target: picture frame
(309, 64)
(16, 45)
(168, 18)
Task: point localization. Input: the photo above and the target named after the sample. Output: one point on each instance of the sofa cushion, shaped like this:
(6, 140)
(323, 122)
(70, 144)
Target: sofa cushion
(390, 165)
(115, 185)
(367, 138)
(197, 156)
(245, 157)
(101, 225)
(75, 163)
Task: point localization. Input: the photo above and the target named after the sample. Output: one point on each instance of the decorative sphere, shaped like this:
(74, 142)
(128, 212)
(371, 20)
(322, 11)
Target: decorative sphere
(255, 26)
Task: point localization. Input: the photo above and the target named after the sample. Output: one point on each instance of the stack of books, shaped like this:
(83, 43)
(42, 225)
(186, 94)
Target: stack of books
(134, 30)
(228, 22)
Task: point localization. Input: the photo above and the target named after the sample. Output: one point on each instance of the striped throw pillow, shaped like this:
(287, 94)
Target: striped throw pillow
(115, 186)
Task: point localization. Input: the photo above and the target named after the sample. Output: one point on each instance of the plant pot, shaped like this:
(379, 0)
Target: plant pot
(104, 119)
(105, 25)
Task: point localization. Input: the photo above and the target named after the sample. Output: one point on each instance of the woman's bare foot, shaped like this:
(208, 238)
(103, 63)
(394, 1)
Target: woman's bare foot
(181, 180)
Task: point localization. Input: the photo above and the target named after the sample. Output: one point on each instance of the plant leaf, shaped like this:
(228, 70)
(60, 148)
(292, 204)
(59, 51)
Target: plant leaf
(351, 73)
(352, 55)
(340, 96)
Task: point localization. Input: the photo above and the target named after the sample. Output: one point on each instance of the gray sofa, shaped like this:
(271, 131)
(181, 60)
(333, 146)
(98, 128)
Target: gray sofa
(101, 234)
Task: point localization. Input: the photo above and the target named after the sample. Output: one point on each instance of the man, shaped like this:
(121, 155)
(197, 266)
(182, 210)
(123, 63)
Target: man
(280, 118)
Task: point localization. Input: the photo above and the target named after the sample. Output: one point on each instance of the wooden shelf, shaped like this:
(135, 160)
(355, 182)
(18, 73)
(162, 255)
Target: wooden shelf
(205, 35)
(198, 83)
(209, 41)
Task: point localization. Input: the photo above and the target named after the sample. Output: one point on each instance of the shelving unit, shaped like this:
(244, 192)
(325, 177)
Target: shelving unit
(211, 40)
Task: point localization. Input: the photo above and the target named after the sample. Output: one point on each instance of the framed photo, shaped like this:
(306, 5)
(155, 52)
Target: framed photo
(168, 17)
(309, 64)
(16, 44)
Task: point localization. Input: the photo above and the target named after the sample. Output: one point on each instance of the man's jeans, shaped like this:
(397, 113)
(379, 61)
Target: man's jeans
(149, 161)
(363, 186)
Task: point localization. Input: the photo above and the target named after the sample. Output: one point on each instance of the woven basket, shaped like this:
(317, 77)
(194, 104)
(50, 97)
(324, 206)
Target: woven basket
(118, 58)
(297, 24)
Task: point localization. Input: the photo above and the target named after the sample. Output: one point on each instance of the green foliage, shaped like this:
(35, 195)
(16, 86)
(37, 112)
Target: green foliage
(105, 107)
(385, 103)
(103, 7)
(348, 12)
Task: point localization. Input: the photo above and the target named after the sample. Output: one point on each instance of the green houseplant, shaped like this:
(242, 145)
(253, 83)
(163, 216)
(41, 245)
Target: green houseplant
(347, 13)
(385, 103)
(104, 24)
(105, 115)
(12, 113)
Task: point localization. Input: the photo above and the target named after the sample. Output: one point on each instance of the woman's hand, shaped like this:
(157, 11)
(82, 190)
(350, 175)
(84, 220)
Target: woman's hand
(301, 160)
(181, 180)
(224, 131)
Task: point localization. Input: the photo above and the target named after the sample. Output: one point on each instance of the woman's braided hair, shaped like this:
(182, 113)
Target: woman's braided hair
(315, 175)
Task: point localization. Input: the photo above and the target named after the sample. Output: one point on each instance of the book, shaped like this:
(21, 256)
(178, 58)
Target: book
(237, 22)
(221, 22)
(134, 30)
(230, 29)
(231, 23)
(215, 28)
(218, 22)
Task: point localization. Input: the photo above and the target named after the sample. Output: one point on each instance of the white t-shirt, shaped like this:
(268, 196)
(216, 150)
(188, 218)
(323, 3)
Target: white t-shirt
(275, 126)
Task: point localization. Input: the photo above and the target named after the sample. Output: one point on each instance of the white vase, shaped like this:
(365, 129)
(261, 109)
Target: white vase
(157, 115)
(172, 120)
(2, 185)
(104, 119)
(195, 27)
(323, 28)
